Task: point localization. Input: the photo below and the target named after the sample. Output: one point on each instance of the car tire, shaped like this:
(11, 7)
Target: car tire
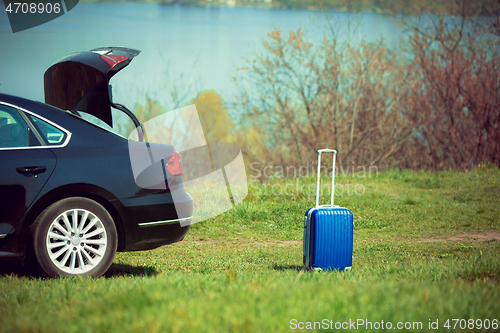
(74, 237)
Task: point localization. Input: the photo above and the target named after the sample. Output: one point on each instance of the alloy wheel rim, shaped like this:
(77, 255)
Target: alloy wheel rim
(76, 241)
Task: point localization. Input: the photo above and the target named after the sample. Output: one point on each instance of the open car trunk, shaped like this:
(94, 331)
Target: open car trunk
(80, 81)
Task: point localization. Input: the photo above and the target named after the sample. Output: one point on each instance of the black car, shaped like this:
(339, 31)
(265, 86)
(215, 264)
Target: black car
(69, 198)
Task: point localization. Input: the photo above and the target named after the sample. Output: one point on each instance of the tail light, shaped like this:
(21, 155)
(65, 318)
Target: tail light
(113, 60)
(174, 165)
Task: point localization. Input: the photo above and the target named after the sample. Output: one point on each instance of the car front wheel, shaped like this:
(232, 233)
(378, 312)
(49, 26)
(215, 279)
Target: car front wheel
(74, 236)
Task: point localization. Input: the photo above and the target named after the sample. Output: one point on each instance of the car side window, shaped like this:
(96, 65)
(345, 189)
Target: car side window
(13, 129)
(50, 134)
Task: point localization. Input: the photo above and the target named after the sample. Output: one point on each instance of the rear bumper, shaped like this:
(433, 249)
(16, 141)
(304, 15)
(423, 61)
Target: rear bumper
(154, 220)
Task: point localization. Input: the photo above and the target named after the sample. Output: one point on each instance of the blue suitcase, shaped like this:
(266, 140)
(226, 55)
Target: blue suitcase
(328, 231)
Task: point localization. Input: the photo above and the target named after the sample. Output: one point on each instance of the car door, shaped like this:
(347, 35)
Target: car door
(26, 163)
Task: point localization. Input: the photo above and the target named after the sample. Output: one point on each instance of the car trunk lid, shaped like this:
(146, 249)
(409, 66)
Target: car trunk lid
(80, 81)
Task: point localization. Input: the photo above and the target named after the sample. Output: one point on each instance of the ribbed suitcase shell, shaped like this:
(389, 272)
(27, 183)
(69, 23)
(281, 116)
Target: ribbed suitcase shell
(328, 238)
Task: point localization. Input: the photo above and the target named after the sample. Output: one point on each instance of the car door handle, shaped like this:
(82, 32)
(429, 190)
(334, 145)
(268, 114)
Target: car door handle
(31, 171)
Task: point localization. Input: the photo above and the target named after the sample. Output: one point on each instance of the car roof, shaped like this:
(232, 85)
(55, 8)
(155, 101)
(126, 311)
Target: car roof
(73, 123)
(28, 104)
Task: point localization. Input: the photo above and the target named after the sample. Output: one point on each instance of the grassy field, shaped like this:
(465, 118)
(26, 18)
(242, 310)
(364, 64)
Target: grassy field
(426, 249)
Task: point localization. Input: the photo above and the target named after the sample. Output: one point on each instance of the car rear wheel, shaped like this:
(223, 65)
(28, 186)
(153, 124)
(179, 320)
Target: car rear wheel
(74, 236)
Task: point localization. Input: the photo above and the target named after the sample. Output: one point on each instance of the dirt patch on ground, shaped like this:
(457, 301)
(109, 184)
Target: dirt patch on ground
(199, 242)
(284, 243)
(467, 237)
(243, 242)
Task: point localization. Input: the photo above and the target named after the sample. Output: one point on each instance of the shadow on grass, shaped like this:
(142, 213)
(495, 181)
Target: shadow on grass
(297, 268)
(117, 270)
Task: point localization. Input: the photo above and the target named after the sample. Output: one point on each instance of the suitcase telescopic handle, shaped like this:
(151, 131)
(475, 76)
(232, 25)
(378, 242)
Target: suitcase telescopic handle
(326, 150)
(318, 183)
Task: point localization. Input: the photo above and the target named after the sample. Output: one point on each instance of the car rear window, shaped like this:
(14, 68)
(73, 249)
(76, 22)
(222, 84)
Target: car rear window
(116, 129)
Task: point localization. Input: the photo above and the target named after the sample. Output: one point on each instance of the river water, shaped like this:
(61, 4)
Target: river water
(205, 45)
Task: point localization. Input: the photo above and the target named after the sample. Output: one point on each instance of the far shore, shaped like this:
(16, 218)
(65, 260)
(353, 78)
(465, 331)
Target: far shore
(384, 7)
(271, 4)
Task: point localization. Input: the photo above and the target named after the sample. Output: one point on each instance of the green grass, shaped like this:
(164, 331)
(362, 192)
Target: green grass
(425, 248)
